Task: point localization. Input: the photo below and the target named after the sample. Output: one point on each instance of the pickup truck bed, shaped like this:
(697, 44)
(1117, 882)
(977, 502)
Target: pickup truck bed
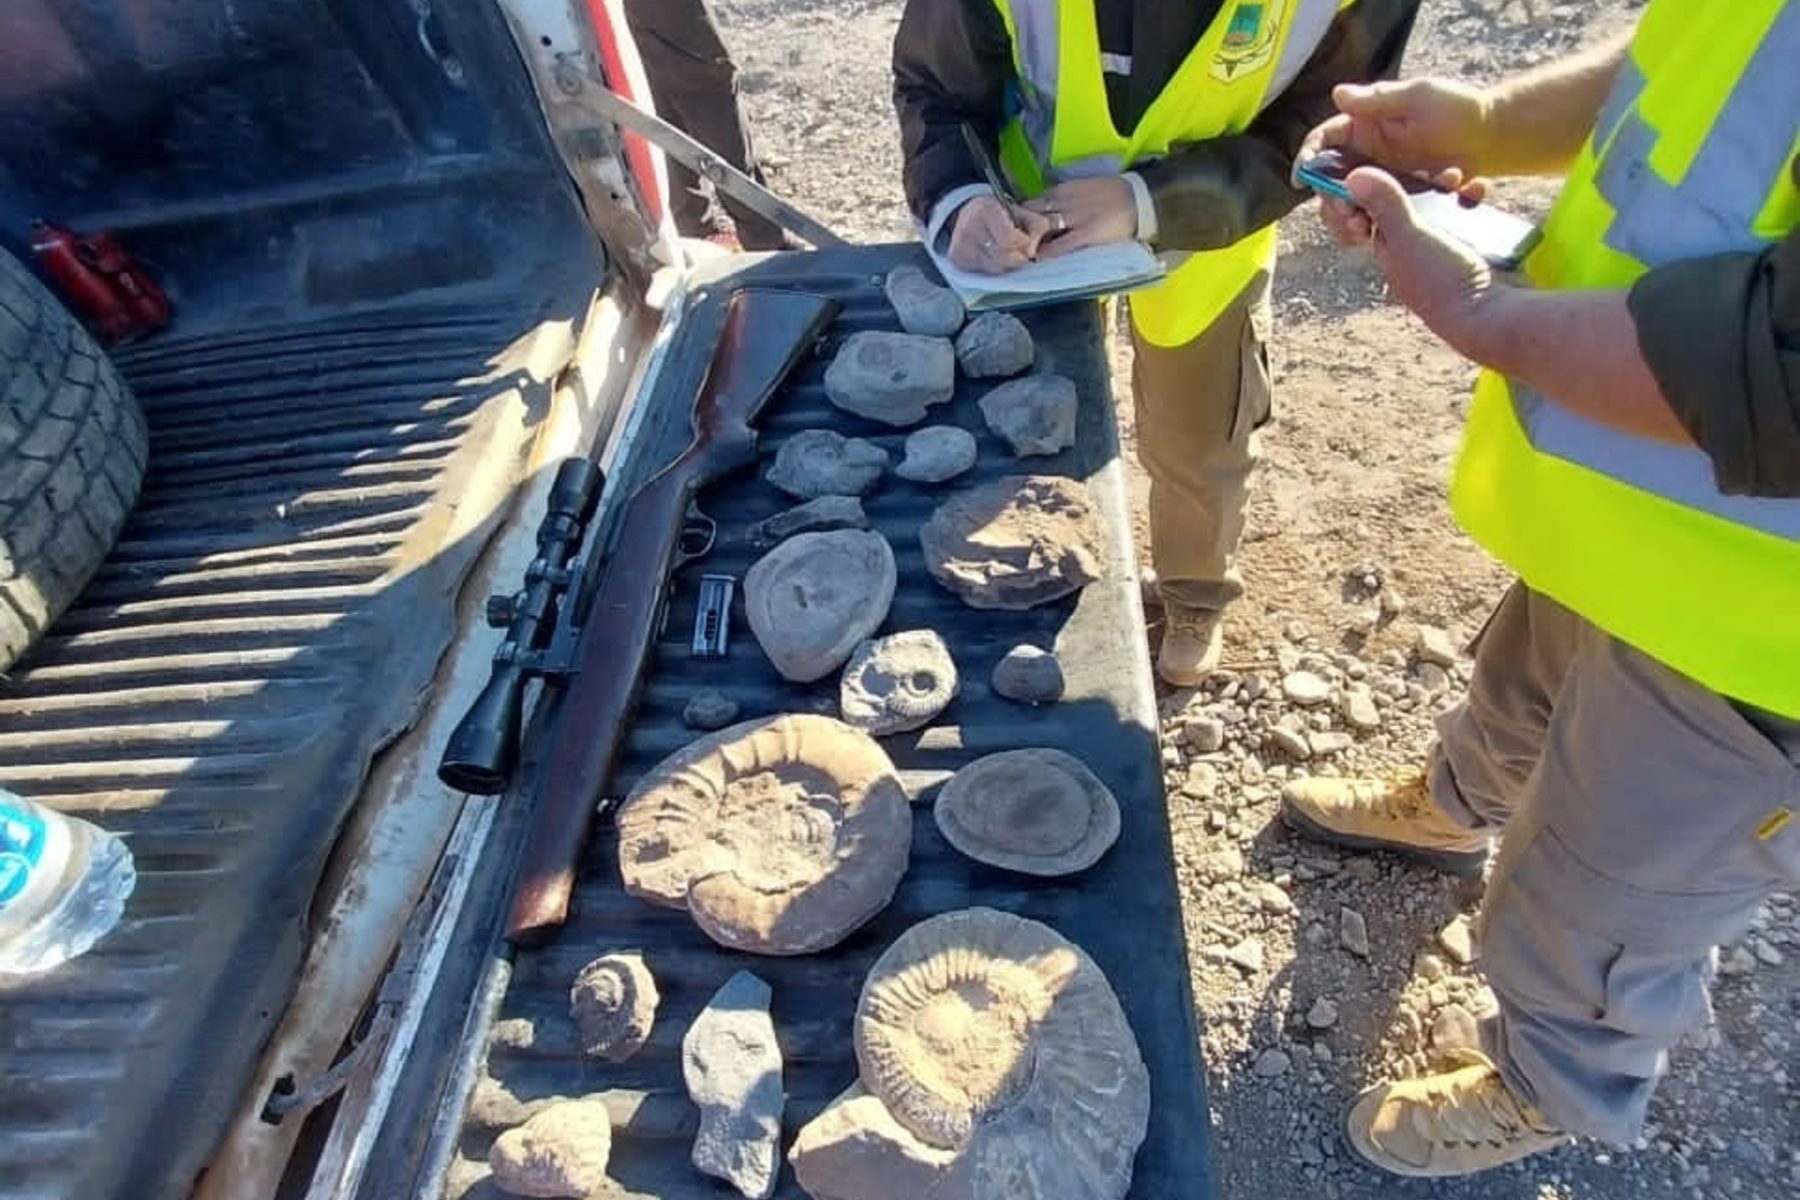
(519, 1045)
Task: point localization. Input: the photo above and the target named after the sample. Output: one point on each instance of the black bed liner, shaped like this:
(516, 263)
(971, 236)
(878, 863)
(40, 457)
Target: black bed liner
(1125, 911)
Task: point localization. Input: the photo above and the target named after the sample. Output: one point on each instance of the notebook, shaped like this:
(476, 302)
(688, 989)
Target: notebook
(1086, 273)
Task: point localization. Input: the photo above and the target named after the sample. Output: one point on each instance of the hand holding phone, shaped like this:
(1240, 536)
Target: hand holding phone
(1499, 237)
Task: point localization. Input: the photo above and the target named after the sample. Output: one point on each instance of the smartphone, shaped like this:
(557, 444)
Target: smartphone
(1501, 238)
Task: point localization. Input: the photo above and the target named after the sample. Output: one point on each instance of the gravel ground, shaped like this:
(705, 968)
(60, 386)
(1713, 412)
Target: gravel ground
(1316, 973)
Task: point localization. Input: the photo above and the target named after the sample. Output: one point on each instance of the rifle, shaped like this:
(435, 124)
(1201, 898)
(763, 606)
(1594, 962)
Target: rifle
(597, 640)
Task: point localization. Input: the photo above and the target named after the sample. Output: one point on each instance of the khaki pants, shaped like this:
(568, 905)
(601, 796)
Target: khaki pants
(1198, 409)
(1642, 826)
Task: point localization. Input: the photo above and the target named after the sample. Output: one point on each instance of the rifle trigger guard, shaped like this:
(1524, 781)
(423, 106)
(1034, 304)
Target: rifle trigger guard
(697, 537)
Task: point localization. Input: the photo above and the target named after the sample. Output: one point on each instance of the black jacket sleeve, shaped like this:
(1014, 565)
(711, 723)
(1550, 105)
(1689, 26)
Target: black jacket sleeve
(1216, 192)
(952, 63)
(1722, 336)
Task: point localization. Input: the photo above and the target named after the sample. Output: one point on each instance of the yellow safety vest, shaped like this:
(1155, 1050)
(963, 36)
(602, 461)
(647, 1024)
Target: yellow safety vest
(1692, 155)
(1248, 55)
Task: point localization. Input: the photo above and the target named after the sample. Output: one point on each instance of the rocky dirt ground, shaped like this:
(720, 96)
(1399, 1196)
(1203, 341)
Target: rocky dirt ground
(1315, 972)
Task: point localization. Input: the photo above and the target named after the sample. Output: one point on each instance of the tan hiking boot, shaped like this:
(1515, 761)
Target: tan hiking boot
(1378, 814)
(1462, 1120)
(1191, 641)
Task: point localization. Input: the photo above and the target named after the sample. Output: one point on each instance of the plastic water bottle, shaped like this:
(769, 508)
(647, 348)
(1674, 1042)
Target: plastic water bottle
(63, 884)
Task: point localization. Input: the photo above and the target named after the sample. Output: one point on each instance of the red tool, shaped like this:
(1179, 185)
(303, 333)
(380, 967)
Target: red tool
(102, 281)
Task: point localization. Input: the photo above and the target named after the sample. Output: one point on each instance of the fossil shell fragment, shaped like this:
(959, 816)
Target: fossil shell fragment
(820, 462)
(614, 1001)
(811, 599)
(779, 836)
(1038, 811)
(924, 307)
(994, 343)
(898, 682)
(561, 1151)
(1033, 415)
(891, 377)
(1014, 543)
(995, 1064)
(937, 453)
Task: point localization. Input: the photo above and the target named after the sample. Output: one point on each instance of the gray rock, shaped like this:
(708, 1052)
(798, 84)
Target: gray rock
(1216, 866)
(1455, 1028)
(1273, 899)
(1433, 678)
(819, 462)
(1205, 735)
(897, 683)
(994, 343)
(815, 516)
(1305, 687)
(1359, 710)
(924, 307)
(1353, 932)
(937, 453)
(1247, 954)
(1323, 1014)
(1329, 741)
(732, 1066)
(1289, 742)
(561, 1151)
(1271, 1063)
(1458, 940)
(1433, 645)
(1029, 675)
(1202, 781)
(891, 377)
(709, 710)
(1034, 415)
(613, 1002)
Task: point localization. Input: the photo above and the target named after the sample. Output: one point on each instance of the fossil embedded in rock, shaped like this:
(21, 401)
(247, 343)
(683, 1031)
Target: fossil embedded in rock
(937, 453)
(1038, 811)
(994, 343)
(614, 1003)
(815, 516)
(818, 462)
(995, 1064)
(1033, 415)
(811, 599)
(780, 836)
(1014, 543)
(1029, 675)
(898, 682)
(561, 1151)
(732, 1067)
(923, 307)
(891, 377)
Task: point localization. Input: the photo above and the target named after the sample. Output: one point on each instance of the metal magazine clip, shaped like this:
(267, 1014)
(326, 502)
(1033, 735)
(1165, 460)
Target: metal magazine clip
(712, 620)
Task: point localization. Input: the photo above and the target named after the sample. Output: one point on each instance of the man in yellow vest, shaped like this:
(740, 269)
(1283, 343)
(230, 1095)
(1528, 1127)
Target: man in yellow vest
(1168, 122)
(1632, 729)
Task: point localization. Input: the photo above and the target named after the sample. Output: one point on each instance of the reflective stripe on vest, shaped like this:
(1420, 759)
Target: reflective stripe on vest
(1063, 130)
(1691, 155)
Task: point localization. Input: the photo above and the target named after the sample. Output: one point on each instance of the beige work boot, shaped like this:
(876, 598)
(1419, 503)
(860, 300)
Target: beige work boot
(1378, 814)
(1191, 641)
(1462, 1120)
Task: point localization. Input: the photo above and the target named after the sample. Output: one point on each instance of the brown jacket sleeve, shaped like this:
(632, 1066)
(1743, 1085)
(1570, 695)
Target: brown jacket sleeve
(952, 63)
(1216, 192)
(1722, 336)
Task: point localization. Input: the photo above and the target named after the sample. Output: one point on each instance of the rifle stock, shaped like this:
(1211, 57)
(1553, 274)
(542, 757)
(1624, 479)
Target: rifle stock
(764, 335)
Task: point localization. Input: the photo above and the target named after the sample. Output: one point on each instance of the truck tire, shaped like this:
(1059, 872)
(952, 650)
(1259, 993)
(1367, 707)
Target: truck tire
(72, 448)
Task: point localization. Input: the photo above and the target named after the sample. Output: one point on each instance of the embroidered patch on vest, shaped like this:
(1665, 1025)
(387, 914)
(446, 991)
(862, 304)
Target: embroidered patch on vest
(1249, 40)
